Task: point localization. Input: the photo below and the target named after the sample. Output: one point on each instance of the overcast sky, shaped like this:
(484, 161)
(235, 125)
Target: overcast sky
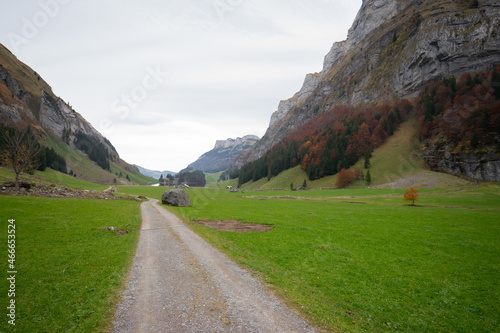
(163, 80)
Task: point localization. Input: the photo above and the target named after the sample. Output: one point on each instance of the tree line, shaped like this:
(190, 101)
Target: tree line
(95, 149)
(194, 178)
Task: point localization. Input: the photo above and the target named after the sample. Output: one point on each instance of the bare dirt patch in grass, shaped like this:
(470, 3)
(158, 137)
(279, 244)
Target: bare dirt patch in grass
(234, 225)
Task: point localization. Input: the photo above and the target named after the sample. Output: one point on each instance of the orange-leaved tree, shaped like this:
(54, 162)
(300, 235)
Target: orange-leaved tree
(345, 177)
(411, 194)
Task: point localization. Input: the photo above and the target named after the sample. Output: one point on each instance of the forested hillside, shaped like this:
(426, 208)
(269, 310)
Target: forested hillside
(463, 111)
(460, 123)
(331, 141)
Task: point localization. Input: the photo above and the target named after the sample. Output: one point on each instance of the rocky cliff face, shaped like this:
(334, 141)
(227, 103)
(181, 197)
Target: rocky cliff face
(224, 154)
(392, 49)
(371, 16)
(59, 118)
(482, 164)
(238, 142)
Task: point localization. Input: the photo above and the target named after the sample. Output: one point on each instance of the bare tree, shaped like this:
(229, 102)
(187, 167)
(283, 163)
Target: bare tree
(21, 152)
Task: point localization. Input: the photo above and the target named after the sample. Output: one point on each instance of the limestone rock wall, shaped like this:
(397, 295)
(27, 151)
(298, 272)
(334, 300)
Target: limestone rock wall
(392, 49)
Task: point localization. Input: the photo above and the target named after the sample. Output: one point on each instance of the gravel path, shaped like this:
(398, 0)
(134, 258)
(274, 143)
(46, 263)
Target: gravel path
(179, 283)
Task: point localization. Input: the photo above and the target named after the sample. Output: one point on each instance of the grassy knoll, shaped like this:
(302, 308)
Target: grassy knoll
(352, 260)
(135, 177)
(49, 177)
(397, 156)
(213, 179)
(70, 268)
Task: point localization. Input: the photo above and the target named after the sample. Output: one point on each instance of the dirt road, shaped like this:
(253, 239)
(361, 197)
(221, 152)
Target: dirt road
(179, 283)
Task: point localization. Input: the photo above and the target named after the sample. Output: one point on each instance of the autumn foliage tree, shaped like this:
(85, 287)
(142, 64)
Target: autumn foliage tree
(411, 195)
(346, 177)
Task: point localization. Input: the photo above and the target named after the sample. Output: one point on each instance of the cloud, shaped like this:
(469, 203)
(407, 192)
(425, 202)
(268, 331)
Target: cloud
(229, 65)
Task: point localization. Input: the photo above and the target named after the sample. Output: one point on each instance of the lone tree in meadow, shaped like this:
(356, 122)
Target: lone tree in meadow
(21, 152)
(411, 195)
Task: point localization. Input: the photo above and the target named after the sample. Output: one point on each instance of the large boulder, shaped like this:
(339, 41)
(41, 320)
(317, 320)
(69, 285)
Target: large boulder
(176, 198)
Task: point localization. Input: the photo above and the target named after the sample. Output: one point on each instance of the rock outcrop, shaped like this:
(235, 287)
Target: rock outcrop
(177, 198)
(392, 49)
(59, 118)
(481, 164)
(371, 16)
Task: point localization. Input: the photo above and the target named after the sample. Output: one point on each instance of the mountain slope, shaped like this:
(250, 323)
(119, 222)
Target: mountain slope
(154, 173)
(393, 48)
(224, 154)
(27, 100)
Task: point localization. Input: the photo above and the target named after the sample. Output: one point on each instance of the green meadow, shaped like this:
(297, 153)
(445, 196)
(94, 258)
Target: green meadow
(362, 259)
(350, 260)
(70, 267)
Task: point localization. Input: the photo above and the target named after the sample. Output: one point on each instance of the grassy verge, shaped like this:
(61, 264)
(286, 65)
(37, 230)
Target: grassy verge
(70, 267)
(359, 262)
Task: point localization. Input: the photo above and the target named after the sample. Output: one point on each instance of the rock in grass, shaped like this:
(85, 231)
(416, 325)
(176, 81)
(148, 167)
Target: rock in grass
(176, 198)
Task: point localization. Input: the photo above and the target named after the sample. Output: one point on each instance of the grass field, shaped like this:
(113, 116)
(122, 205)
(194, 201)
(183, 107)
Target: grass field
(362, 260)
(350, 260)
(70, 268)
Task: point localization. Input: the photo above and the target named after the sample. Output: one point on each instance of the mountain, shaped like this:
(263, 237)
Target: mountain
(392, 50)
(224, 153)
(154, 173)
(26, 100)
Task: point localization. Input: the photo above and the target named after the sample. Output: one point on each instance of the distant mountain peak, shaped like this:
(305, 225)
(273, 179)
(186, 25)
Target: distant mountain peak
(224, 153)
(235, 142)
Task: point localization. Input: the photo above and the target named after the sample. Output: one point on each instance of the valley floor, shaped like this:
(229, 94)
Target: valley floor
(179, 283)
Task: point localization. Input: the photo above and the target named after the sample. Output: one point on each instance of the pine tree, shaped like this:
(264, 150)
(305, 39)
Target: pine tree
(495, 83)
(368, 177)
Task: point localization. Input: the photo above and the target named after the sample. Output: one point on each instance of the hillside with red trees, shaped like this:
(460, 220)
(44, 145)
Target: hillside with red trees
(465, 111)
(331, 141)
